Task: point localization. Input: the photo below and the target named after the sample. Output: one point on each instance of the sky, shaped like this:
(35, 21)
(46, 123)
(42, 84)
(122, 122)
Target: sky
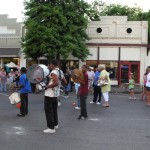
(15, 8)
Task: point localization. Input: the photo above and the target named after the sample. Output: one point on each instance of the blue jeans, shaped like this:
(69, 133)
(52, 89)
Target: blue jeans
(67, 87)
(3, 87)
(78, 100)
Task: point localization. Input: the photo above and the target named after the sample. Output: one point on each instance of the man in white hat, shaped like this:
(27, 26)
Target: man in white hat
(90, 73)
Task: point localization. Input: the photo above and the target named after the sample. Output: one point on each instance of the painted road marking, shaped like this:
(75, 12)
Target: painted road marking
(16, 130)
(4, 94)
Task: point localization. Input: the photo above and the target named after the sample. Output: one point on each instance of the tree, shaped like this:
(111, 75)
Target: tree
(145, 16)
(119, 10)
(56, 28)
(99, 8)
(133, 13)
(95, 10)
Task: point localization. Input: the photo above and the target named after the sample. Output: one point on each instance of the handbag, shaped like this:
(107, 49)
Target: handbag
(14, 98)
(103, 82)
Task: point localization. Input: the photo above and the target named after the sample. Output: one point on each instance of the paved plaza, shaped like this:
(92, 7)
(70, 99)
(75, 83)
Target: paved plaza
(123, 126)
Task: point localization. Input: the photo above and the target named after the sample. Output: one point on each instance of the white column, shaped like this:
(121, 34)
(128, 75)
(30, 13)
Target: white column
(81, 63)
(1, 62)
(22, 60)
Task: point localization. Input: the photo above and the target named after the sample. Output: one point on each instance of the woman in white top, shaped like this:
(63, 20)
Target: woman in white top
(148, 86)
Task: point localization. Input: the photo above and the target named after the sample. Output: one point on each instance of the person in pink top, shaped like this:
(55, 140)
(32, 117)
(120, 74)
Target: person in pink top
(144, 88)
(148, 86)
(3, 80)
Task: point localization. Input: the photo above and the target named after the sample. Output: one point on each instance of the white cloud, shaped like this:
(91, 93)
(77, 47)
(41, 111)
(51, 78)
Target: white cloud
(13, 8)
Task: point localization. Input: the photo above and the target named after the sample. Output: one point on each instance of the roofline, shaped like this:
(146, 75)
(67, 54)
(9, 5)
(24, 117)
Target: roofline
(118, 44)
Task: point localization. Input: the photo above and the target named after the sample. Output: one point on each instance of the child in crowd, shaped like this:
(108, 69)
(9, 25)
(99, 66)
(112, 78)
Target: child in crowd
(131, 87)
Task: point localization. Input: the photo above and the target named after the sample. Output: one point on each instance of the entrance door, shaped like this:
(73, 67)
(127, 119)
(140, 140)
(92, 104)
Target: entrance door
(129, 67)
(124, 73)
(135, 70)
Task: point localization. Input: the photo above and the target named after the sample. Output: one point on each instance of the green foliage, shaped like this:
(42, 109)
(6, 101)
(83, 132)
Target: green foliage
(98, 8)
(95, 10)
(119, 10)
(145, 16)
(56, 28)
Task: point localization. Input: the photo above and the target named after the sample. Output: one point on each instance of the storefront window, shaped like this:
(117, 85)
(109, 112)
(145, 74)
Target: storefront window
(14, 60)
(93, 63)
(111, 67)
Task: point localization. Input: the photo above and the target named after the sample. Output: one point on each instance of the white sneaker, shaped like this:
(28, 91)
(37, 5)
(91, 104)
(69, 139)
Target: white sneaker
(82, 118)
(56, 127)
(98, 103)
(77, 107)
(91, 102)
(59, 103)
(65, 96)
(49, 130)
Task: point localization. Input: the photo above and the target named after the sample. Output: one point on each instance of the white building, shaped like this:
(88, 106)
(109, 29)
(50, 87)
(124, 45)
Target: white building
(10, 37)
(114, 41)
(119, 44)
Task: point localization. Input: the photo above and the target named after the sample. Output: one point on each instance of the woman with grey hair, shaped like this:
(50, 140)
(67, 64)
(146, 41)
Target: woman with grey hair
(105, 84)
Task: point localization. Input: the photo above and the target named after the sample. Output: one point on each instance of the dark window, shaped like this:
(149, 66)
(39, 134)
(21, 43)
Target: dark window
(99, 30)
(129, 30)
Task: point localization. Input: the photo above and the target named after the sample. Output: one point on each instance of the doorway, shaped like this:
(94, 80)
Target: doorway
(129, 67)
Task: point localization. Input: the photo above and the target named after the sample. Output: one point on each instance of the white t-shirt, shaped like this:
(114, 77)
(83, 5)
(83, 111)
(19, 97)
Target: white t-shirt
(148, 80)
(11, 77)
(54, 92)
(91, 75)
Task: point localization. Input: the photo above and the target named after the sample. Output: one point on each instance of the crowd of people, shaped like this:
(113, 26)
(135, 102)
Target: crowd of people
(16, 80)
(146, 86)
(82, 87)
(10, 78)
(96, 83)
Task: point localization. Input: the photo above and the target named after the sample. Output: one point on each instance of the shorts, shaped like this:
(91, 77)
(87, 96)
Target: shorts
(147, 88)
(131, 89)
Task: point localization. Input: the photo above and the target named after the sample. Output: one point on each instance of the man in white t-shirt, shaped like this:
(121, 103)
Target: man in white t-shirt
(91, 75)
(51, 93)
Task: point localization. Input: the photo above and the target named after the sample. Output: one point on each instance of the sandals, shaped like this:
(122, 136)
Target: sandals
(148, 104)
(132, 98)
(104, 105)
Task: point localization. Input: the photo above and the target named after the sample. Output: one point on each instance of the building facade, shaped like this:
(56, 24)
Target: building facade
(10, 37)
(119, 44)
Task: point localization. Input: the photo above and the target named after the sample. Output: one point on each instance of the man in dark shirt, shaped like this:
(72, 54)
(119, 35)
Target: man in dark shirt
(83, 93)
